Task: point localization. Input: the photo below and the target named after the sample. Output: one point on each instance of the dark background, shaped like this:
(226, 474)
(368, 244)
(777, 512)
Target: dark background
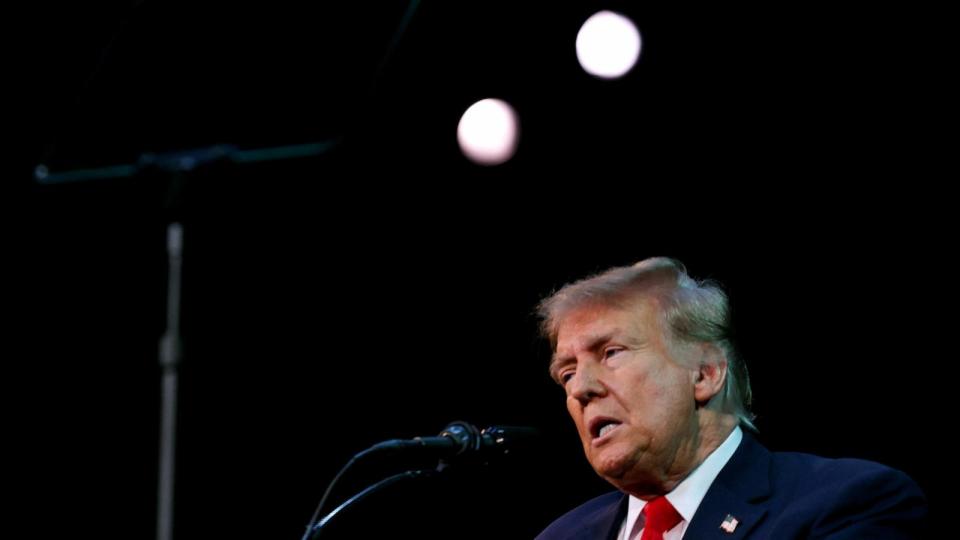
(386, 288)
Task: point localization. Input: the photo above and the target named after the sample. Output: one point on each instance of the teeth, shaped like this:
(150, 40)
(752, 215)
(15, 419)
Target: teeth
(605, 429)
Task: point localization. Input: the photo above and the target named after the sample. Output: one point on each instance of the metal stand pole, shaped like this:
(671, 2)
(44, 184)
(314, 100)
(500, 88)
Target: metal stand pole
(170, 355)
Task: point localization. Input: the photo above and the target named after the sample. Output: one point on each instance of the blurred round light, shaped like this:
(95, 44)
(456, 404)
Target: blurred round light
(488, 132)
(608, 45)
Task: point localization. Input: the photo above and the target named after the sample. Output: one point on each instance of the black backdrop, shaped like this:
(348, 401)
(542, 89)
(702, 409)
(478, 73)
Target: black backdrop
(385, 288)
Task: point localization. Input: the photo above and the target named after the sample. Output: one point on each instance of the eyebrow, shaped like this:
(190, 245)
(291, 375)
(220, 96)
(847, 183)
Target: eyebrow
(595, 342)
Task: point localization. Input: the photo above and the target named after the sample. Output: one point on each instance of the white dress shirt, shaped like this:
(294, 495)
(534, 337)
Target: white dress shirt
(688, 494)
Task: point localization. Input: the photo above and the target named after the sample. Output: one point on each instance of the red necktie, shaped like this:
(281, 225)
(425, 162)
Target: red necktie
(659, 517)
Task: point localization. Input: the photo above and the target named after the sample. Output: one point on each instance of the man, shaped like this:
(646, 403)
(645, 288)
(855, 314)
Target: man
(661, 402)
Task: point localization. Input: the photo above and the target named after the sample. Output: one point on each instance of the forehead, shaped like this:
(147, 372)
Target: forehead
(637, 319)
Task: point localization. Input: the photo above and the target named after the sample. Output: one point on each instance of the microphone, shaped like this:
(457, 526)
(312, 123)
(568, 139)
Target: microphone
(460, 440)
(457, 440)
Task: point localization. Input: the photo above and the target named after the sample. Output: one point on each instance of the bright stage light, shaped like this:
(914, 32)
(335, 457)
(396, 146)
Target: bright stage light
(488, 132)
(608, 45)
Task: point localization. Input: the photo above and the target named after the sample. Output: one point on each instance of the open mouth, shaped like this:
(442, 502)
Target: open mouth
(601, 427)
(607, 428)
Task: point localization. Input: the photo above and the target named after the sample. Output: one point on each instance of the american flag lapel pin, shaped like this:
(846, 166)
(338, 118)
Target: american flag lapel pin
(729, 524)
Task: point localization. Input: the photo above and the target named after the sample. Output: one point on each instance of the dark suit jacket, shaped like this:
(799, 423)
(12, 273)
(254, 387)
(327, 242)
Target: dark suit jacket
(780, 496)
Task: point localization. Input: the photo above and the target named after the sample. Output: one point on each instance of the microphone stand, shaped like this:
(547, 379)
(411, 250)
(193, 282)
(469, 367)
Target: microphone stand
(314, 531)
(170, 356)
(176, 165)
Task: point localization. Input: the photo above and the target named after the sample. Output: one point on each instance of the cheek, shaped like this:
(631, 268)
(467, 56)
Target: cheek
(574, 409)
(576, 413)
(677, 400)
(660, 404)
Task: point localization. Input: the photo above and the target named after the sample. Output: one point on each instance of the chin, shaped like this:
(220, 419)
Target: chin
(611, 464)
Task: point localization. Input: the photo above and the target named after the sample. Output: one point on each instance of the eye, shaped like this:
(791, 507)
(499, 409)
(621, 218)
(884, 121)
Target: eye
(565, 377)
(612, 351)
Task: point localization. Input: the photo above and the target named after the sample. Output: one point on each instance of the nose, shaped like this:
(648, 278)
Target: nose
(586, 384)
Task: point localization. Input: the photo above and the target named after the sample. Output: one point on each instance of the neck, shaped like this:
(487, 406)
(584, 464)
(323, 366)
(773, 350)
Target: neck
(712, 430)
(715, 427)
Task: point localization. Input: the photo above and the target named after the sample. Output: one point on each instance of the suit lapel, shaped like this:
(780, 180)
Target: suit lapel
(739, 492)
(605, 522)
(719, 507)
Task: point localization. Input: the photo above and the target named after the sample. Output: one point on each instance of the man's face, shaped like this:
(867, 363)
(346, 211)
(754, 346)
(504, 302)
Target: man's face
(630, 392)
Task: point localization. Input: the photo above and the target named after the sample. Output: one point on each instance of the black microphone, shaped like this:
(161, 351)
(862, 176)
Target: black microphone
(460, 439)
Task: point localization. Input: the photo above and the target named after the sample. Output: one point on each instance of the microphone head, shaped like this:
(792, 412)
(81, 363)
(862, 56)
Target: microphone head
(467, 436)
(502, 439)
(475, 444)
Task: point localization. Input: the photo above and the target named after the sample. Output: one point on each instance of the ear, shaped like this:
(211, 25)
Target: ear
(711, 373)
